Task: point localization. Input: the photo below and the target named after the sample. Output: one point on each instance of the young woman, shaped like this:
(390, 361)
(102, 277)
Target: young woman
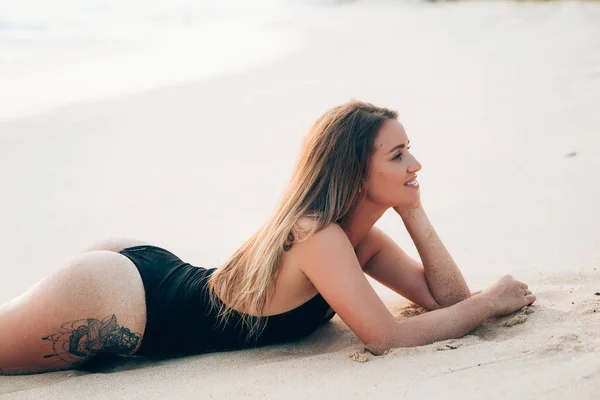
(306, 263)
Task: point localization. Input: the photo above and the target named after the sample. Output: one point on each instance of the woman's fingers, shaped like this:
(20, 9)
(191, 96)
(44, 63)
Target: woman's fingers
(530, 299)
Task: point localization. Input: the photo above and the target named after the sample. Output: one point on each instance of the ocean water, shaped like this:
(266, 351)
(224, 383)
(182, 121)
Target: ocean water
(66, 51)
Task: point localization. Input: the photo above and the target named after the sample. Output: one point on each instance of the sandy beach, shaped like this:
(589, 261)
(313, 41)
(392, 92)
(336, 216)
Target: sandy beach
(500, 101)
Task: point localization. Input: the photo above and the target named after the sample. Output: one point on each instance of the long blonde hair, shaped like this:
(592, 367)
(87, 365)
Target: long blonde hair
(325, 184)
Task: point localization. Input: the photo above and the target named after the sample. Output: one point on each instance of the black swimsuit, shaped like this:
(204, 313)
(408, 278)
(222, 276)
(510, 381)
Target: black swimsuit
(181, 319)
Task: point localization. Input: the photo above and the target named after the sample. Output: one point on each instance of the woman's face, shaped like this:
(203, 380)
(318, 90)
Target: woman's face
(393, 170)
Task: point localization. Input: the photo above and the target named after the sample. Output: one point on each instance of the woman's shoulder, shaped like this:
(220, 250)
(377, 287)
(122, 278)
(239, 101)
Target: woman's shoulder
(313, 252)
(328, 239)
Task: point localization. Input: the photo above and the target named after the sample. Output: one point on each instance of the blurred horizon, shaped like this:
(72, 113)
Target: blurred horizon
(53, 55)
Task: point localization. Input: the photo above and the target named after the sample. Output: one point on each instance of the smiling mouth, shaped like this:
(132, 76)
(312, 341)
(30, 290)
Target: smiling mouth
(413, 183)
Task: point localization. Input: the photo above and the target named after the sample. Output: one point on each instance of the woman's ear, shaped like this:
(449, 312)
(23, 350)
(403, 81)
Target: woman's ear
(362, 187)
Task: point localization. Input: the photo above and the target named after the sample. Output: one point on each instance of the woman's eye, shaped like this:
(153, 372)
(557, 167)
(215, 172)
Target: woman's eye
(398, 156)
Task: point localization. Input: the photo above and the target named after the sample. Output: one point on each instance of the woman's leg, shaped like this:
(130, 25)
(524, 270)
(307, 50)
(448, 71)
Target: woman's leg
(94, 305)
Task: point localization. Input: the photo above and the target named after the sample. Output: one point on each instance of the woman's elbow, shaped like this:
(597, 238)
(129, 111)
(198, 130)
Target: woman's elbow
(381, 342)
(379, 349)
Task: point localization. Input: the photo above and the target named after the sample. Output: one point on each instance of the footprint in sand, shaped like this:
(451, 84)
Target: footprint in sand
(589, 305)
(571, 342)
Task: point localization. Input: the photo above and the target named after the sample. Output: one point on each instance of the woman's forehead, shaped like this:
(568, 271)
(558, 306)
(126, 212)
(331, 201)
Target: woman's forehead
(391, 134)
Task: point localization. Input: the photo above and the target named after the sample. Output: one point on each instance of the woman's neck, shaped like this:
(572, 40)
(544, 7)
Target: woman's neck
(362, 220)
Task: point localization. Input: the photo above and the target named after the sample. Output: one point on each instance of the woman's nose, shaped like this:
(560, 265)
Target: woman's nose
(415, 166)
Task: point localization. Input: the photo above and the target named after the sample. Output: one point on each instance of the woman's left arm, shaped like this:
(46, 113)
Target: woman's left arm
(445, 281)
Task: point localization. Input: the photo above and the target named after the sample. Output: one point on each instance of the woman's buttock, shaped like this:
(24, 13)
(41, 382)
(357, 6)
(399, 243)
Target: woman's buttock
(94, 305)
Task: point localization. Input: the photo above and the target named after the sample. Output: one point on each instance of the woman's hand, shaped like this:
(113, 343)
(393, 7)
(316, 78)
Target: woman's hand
(508, 295)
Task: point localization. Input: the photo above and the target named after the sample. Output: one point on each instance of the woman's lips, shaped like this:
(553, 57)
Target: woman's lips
(414, 184)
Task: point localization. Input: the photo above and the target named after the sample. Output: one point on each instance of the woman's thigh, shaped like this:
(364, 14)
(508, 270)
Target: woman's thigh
(94, 305)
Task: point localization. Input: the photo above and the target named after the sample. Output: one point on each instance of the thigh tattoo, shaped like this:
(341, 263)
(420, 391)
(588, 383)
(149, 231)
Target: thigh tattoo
(84, 338)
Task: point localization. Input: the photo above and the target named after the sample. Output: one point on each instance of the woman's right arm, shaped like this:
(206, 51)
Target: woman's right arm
(330, 263)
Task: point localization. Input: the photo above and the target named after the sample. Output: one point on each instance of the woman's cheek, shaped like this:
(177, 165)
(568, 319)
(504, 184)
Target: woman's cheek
(386, 194)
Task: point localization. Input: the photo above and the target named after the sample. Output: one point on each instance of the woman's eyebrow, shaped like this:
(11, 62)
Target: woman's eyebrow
(400, 146)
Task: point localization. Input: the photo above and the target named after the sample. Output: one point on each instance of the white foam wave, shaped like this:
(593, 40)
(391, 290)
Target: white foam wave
(67, 51)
